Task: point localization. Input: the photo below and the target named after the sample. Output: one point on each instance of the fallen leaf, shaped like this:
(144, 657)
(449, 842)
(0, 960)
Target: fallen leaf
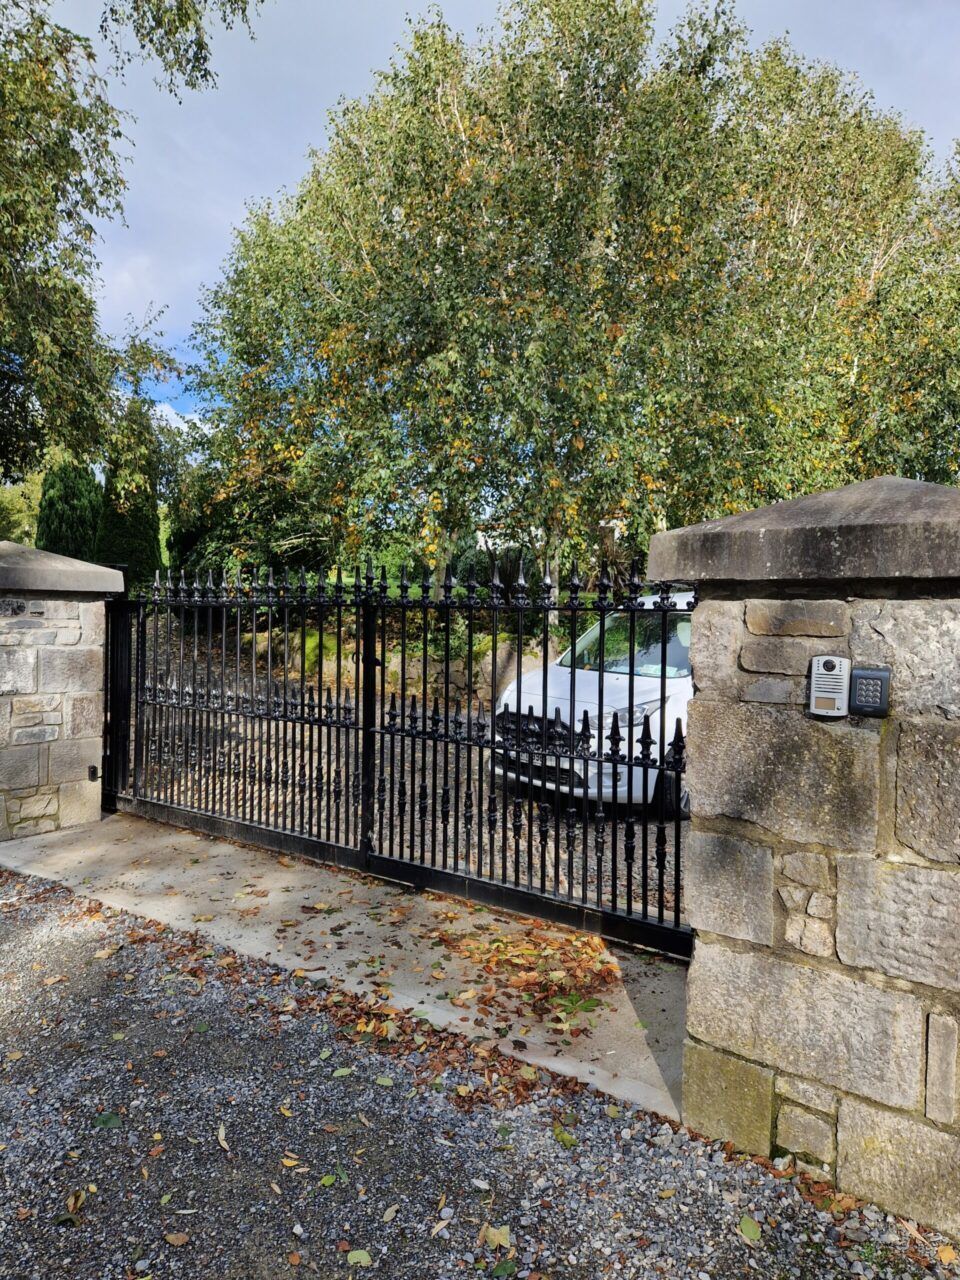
(176, 1238)
(107, 1120)
(385, 1081)
(222, 1137)
(359, 1258)
(293, 1259)
(390, 1213)
(565, 1138)
(946, 1254)
(749, 1228)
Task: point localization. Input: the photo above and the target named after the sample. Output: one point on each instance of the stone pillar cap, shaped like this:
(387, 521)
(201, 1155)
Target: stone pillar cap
(881, 529)
(27, 569)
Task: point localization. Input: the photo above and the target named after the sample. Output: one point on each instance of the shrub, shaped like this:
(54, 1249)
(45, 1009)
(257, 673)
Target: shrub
(70, 506)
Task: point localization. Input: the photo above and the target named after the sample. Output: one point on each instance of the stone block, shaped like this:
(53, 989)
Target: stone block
(943, 1069)
(900, 920)
(93, 622)
(18, 670)
(811, 869)
(794, 899)
(784, 690)
(77, 670)
(808, 1094)
(788, 656)
(79, 803)
(6, 720)
(793, 930)
(26, 718)
(68, 637)
(805, 1021)
(798, 617)
(20, 767)
(58, 610)
(903, 1164)
(36, 733)
(725, 1097)
(920, 640)
(807, 1135)
(728, 887)
(41, 805)
(38, 639)
(84, 714)
(70, 759)
(716, 635)
(817, 937)
(820, 906)
(36, 703)
(928, 797)
(798, 778)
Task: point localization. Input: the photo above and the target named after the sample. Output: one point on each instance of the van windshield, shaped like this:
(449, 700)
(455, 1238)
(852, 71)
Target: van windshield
(646, 648)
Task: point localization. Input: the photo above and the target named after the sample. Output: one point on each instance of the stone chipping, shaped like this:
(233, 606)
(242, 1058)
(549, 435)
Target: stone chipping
(173, 1110)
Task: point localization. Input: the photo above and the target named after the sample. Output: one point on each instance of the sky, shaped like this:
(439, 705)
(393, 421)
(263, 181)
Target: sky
(195, 165)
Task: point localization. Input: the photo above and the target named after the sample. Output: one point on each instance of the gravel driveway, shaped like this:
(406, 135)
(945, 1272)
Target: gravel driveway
(173, 1110)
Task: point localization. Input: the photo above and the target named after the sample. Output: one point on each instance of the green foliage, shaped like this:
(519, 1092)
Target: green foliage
(19, 504)
(70, 505)
(60, 175)
(563, 281)
(129, 529)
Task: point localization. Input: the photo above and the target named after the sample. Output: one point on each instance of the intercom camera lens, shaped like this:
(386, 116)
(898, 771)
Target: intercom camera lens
(829, 665)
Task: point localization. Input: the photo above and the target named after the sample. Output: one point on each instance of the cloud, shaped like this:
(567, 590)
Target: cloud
(196, 164)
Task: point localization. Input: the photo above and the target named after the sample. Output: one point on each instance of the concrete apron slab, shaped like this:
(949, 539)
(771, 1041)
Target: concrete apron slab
(367, 932)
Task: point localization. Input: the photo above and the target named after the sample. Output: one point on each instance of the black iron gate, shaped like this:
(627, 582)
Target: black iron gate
(517, 746)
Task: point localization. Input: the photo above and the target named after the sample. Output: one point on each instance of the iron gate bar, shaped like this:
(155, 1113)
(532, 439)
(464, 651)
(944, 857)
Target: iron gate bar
(232, 732)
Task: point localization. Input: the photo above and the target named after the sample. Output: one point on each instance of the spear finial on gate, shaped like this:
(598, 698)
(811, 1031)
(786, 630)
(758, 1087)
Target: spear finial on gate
(575, 585)
(520, 596)
(156, 587)
(404, 584)
(603, 586)
(635, 585)
(496, 586)
(546, 596)
(448, 585)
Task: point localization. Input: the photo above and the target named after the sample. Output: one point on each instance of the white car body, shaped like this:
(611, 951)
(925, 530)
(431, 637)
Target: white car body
(665, 701)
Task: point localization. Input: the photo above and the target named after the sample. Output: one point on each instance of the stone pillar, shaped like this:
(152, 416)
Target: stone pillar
(51, 689)
(823, 874)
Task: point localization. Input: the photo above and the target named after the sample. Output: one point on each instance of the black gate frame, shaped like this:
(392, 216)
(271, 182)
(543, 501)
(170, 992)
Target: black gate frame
(124, 753)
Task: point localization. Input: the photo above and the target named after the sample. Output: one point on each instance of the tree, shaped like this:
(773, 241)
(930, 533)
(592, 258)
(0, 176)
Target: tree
(562, 280)
(59, 174)
(129, 529)
(70, 505)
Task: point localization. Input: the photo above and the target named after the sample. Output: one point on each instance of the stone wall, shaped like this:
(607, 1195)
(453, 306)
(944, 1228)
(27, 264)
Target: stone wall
(823, 874)
(51, 711)
(823, 881)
